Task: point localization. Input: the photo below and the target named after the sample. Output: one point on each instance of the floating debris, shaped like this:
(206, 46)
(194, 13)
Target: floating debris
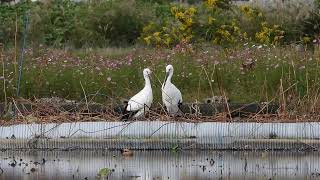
(212, 162)
(13, 163)
(126, 152)
(33, 170)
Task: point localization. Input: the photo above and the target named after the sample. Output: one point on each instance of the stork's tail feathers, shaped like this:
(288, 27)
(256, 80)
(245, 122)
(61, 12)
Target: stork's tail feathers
(179, 105)
(180, 112)
(126, 115)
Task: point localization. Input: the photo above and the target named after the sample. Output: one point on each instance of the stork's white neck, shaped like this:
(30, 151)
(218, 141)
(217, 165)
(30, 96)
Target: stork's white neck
(147, 81)
(169, 77)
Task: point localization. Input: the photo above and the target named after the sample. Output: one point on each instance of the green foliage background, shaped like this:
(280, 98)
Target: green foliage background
(98, 23)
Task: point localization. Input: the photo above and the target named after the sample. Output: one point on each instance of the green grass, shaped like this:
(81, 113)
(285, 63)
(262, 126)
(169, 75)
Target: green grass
(199, 74)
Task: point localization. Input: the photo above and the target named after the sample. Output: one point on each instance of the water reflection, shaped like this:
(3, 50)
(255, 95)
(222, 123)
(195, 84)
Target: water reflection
(160, 165)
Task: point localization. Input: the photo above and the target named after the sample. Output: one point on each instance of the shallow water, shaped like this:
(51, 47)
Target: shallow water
(160, 165)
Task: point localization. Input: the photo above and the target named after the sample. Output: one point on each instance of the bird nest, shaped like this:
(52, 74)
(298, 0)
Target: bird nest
(60, 111)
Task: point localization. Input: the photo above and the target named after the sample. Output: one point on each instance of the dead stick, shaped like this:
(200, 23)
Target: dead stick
(15, 47)
(266, 104)
(3, 75)
(85, 96)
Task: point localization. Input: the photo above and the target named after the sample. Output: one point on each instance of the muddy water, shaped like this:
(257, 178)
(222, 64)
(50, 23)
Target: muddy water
(160, 165)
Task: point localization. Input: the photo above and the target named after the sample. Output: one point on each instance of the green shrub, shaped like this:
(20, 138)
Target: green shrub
(9, 15)
(99, 23)
(208, 21)
(61, 23)
(218, 25)
(290, 16)
(117, 22)
(57, 20)
(311, 25)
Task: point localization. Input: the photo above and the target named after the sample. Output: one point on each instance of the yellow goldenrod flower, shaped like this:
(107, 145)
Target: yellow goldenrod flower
(179, 15)
(212, 3)
(173, 10)
(264, 23)
(192, 11)
(244, 8)
(236, 29)
(148, 27)
(211, 20)
(189, 22)
(183, 27)
(147, 40)
(156, 34)
(164, 29)
(167, 41)
(158, 39)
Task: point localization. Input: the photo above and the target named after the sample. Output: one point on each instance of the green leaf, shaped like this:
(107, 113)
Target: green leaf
(104, 172)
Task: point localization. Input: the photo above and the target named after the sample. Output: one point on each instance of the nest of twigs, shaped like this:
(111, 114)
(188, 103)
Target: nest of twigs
(59, 111)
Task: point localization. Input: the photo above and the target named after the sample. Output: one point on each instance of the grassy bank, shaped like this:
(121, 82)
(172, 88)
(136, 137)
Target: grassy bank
(248, 74)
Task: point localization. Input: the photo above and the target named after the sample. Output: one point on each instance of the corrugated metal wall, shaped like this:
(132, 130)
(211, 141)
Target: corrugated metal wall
(161, 135)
